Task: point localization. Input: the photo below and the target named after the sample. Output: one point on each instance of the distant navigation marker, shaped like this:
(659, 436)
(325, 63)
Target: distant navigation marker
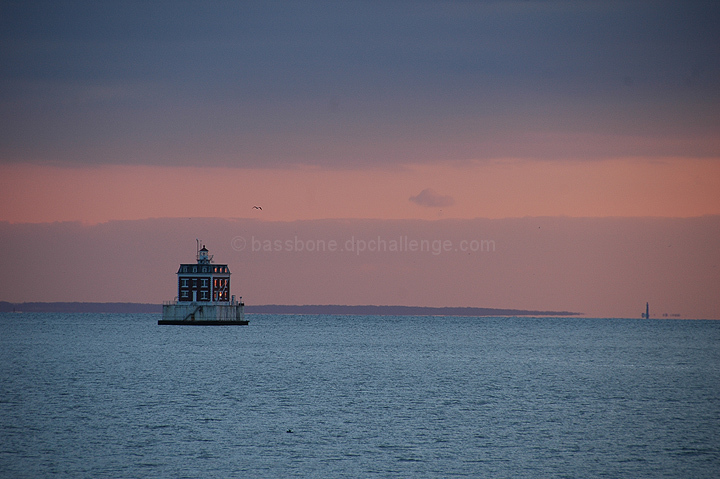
(646, 314)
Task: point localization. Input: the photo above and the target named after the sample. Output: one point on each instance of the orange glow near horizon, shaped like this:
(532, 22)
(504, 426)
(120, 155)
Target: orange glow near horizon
(496, 189)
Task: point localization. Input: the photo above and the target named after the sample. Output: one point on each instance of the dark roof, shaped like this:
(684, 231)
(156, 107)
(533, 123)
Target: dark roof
(211, 267)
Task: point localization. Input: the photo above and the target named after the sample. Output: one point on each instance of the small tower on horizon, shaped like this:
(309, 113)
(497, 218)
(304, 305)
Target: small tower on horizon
(646, 314)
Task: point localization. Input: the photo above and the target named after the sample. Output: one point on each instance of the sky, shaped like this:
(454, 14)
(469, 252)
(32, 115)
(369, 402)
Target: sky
(126, 112)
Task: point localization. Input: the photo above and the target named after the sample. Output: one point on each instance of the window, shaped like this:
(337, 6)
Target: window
(204, 283)
(184, 282)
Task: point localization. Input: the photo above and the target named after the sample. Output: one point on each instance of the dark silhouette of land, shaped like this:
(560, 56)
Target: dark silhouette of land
(60, 307)
(398, 310)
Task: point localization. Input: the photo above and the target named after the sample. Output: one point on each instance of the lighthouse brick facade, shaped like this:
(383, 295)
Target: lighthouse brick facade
(203, 281)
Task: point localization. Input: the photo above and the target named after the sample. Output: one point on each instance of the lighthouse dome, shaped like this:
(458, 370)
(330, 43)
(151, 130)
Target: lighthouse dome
(203, 257)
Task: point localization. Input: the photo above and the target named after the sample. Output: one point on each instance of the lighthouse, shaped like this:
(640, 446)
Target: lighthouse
(204, 280)
(203, 295)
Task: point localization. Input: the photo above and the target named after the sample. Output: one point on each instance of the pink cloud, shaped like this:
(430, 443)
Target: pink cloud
(431, 199)
(679, 187)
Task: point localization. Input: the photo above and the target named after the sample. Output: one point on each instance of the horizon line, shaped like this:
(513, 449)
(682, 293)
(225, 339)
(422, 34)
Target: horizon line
(343, 309)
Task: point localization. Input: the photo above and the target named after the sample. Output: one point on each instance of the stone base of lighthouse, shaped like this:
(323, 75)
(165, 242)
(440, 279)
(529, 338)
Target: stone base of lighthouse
(204, 313)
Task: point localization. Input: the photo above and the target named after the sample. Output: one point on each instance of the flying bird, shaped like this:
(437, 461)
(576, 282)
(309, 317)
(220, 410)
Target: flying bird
(257, 208)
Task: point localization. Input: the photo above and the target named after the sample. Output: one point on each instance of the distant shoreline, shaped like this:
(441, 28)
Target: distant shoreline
(78, 307)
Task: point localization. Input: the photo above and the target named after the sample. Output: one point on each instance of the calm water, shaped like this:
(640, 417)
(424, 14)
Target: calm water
(119, 396)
